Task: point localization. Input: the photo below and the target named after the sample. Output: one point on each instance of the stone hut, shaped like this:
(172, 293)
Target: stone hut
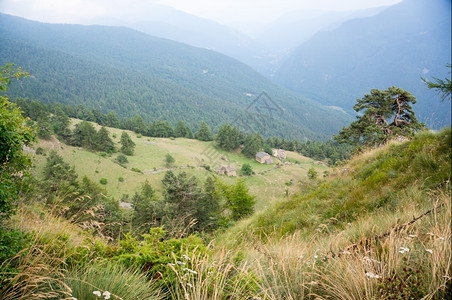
(262, 157)
(227, 170)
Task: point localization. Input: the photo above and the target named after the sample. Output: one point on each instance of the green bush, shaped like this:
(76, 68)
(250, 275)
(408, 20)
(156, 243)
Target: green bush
(103, 181)
(136, 170)
(39, 151)
(121, 179)
(122, 159)
(247, 169)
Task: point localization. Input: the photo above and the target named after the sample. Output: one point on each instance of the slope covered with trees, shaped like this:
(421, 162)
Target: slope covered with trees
(131, 73)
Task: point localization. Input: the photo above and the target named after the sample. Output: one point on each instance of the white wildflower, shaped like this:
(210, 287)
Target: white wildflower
(97, 293)
(313, 283)
(429, 233)
(189, 285)
(429, 251)
(404, 249)
(372, 275)
(106, 294)
(186, 257)
(445, 276)
(441, 238)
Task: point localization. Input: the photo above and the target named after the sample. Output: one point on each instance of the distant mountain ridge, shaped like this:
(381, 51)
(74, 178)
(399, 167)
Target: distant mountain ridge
(114, 68)
(397, 47)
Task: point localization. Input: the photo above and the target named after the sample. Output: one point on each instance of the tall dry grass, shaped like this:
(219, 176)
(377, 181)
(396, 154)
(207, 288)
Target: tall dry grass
(323, 267)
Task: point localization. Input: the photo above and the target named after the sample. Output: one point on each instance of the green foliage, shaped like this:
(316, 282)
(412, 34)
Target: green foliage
(103, 141)
(203, 133)
(155, 254)
(14, 134)
(122, 159)
(121, 179)
(169, 159)
(404, 284)
(127, 145)
(84, 135)
(103, 181)
(238, 200)
(312, 174)
(387, 114)
(145, 209)
(253, 144)
(444, 86)
(247, 169)
(11, 242)
(228, 137)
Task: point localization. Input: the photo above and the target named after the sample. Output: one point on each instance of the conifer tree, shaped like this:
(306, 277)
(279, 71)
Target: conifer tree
(385, 114)
(127, 145)
(203, 134)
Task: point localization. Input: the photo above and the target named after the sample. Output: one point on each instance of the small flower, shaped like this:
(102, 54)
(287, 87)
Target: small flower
(429, 233)
(316, 256)
(412, 235)
(97, 293)
(313, 283)
(404, 249)
(189, 285)
(445, 276)
(429, 251)
(347, 252)
(372, 275)
(107, 294)
(441, 238)
(186, 257)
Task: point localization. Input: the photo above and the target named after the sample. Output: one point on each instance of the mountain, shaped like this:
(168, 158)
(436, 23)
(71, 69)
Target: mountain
(166, 22)
(285, 34)
(397, 47)
(129, 72)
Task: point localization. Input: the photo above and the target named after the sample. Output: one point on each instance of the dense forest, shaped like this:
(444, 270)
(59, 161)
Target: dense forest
(121, 70)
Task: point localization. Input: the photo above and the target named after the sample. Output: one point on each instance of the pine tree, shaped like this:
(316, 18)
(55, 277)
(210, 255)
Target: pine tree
(103, 141)
(203, 134)
(386, 114)
(127, 145)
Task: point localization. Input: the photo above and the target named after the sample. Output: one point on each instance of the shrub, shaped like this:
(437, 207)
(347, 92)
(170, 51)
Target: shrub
(247, 169)
(103, 181)
(139, 135)
(136, 170)
(312, 173)
(39, 151)
(121, 179)
(122, 159)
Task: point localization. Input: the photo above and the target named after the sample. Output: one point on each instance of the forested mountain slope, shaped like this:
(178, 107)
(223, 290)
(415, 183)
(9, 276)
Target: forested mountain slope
(119, 69)
(397, 47)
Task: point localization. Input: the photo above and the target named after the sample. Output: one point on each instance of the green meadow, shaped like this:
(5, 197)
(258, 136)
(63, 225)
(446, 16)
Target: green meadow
(269, 184)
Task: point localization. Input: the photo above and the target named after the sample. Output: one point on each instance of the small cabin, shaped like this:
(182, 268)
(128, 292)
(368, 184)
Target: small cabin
(227, 170)
(263, 157)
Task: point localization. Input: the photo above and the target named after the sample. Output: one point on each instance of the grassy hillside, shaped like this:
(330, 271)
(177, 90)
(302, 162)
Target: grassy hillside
(268, 184)
(378, 228)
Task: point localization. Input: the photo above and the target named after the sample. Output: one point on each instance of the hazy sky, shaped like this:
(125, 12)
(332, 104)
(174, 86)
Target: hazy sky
(223, 11)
